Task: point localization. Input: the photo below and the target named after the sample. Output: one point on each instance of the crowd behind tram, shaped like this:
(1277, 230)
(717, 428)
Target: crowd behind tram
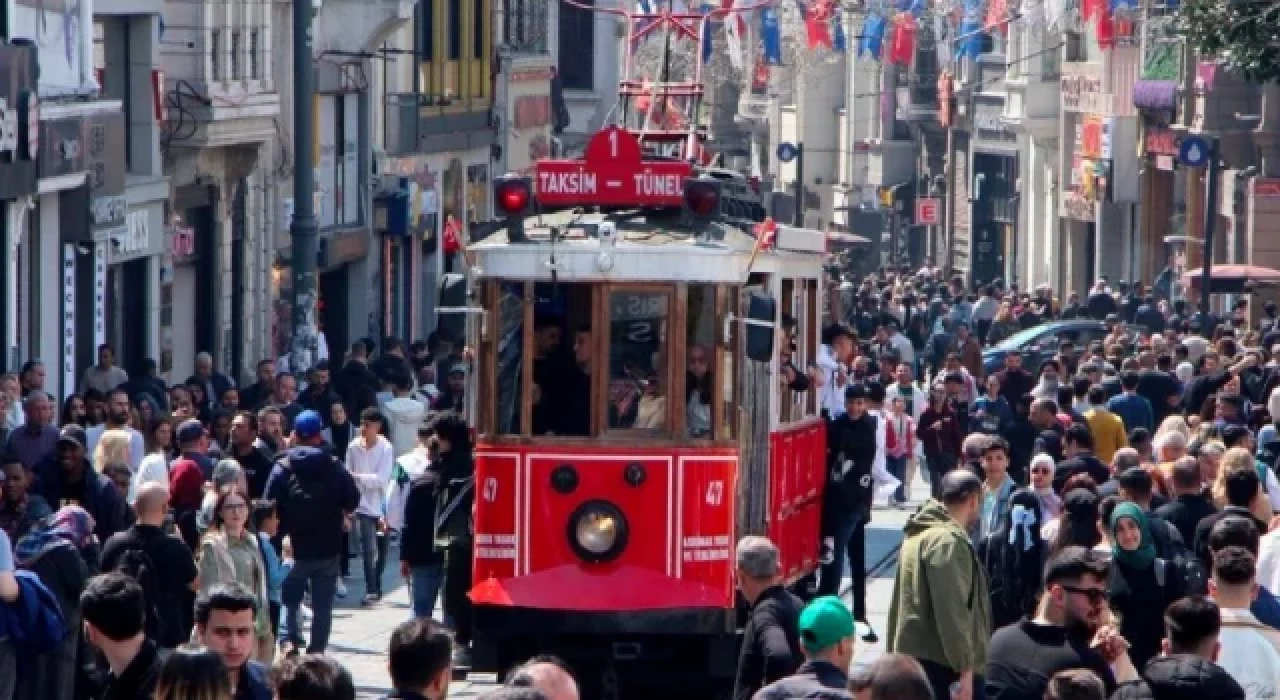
(1100, 520)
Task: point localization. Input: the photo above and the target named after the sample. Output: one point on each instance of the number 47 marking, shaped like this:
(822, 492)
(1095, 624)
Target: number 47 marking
(715, 493)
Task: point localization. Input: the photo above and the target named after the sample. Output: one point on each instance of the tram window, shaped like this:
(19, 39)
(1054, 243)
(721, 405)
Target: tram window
(638, 360)
(700, 352)
(728, 371)
(787, 408)
(509, 322)
(562, 359)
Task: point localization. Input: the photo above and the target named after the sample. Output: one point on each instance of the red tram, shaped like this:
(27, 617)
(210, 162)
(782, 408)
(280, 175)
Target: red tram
(631, 423)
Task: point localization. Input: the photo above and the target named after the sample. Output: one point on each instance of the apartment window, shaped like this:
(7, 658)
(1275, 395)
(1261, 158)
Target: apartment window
(455, 30)
(338, 165)
(215, 54)
(524, 25)
(426, 31)
(254, 67)
(479, 33)
(235, 55)
(577, 47)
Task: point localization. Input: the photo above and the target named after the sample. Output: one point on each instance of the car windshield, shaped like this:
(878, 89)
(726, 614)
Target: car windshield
(1020, 339)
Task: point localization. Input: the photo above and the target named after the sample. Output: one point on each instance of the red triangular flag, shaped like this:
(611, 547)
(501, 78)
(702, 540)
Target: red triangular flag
(903, 44)
(817, 23)
(1105, 30)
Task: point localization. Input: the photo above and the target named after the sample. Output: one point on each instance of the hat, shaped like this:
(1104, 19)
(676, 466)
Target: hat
(308, 424)
(72, 434)
(854, 392)
(824, 622)
(190, 430)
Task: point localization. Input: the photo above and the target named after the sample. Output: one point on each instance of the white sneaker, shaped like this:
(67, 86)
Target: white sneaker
(305, 613)
(341, 589)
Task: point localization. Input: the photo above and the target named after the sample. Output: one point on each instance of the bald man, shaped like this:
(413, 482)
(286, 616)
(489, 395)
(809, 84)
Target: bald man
(172, 577)
(547, 675)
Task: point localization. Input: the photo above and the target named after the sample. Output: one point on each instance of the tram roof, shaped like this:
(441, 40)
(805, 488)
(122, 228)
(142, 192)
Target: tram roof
(650, 246)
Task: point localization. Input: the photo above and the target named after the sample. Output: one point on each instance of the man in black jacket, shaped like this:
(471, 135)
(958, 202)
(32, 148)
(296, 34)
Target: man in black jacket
(826, 632)
(1187, 668)
(1242, 489)
(771, 640)
(1080, 458)
(1189, 505)
(69, 480)
(315, 495)
(355, 382)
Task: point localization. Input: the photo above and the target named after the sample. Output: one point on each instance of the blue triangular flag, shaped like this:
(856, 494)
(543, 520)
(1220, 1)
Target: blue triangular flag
(837, 34)
(872, 37)
(771, 36)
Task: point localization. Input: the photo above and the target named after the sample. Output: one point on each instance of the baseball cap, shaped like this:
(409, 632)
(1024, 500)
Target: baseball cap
(72, 434)
(824, 622)
(308, 424)
(189, 430)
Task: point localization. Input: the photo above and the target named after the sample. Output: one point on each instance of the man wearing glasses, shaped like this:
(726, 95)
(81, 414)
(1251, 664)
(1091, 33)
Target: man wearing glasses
(1071, 630)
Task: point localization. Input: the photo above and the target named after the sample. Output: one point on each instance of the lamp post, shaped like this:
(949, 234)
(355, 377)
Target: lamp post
(302, 233)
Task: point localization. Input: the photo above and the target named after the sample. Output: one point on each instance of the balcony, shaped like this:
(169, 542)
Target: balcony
(418, 123)
(920, 102)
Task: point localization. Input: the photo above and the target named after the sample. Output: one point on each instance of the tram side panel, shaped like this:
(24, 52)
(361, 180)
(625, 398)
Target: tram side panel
(797, 455)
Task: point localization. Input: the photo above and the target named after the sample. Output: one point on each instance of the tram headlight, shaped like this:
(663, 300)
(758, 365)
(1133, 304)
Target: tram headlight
(598, 531)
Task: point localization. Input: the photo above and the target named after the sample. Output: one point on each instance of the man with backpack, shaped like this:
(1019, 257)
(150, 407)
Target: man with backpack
(315, 496)
(160, 563)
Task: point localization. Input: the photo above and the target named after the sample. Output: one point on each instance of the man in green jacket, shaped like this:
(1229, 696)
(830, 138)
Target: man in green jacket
(941, 610)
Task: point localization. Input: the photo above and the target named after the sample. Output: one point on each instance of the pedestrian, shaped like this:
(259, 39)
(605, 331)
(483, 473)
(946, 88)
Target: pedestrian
(997, 486)
(940, 611)
(313, 677)
(1013, 557)
(547, 674)
(225, 624)
(421, 562)
(770, 641)
(455, 498)
(162, 565)
(193, 674)
(1075, 684)
(890, 677)
(253, 458)
(1239, 494)
(20, 509)
(1250, 651)
(9, 593)
(826, 636)
(37, 439)
(114, 612)
(940, 436)
(1142, 584)
(72, 481)
(226, 472)
(370, 460)
(266, 525)
(154, 467)
(231, 553)
(404, 414)
(1080, 458)
(1108, 430)
(117, 416)
(419, 661)
(1187, 668)
(314, 495)
(1041, 471)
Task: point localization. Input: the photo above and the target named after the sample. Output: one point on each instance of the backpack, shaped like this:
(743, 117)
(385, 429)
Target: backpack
(43, 627)
(137, 564)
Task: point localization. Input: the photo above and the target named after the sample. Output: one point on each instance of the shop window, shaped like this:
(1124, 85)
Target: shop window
(255, 71)
(638, 360)
(577, 46)
(235, 55)
(215, 54)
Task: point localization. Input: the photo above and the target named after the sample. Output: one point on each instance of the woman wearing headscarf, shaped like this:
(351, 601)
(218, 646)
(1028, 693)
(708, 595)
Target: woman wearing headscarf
(1141, 585)
(1013, 555)
(62, 551)
(1041, 474)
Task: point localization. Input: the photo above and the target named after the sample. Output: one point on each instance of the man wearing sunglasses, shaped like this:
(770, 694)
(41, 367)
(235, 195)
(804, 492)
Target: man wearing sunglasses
(1067, 632)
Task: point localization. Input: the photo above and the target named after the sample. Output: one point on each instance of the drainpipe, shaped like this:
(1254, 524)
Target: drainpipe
(88, 81)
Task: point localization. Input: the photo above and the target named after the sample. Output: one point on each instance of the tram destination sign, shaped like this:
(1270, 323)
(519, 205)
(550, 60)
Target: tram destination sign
(612, 172)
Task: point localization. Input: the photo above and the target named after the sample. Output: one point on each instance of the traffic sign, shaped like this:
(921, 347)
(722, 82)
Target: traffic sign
(928, 211)
(787, 151)
(1194, 152)
(612, 172)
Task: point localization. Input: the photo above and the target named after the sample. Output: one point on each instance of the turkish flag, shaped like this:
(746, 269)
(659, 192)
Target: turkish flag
(817, 23)
(902, 47)
(766, 233)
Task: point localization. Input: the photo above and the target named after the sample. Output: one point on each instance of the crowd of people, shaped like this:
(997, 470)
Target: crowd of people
(140, 521)
(1102, 525)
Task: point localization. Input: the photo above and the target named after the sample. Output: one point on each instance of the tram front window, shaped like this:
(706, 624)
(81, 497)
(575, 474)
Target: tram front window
(638, 360)
(562, 361)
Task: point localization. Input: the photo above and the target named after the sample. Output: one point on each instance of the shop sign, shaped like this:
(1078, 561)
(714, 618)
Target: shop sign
(68, 319)
(527, 112)
(1076, 207)
(1161, 141)
(62, 150)
(134, 238)
(182, 241)
(99, 294)
(1082, 90)
(990, 127)
(104, 141)
(1095, 137)
(1266, 189)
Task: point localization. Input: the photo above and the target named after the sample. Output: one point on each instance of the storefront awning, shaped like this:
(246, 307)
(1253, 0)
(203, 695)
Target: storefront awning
(1158, 95)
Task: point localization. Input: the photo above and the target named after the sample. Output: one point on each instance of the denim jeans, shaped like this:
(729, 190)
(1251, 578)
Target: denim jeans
(840, 529)
(321, 575)
(373, 551)
(897, 466)
(8, 670)
(424, 584)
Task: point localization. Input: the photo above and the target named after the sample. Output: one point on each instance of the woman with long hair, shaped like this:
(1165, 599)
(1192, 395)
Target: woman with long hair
(455, 468)
(193, 674)
(1078, 525)
(63, 552)
(1013, 556)
(154, 466)
(113, 448)
(74, 411)
(229, 553)
(1238, 459)
(1141, 584)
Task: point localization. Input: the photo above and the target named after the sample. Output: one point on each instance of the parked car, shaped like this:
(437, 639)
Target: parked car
(1041, 342)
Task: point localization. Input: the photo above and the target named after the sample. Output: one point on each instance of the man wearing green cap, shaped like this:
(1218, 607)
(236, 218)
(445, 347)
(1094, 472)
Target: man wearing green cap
(826, 633)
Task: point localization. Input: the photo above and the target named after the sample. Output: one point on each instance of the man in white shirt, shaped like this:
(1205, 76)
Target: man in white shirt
(1250, 650)
(839, 346)
(370, 460)
(404, 416)
(118, 419)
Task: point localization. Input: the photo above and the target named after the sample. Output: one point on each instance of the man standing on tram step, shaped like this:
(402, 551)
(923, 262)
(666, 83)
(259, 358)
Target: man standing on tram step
(839, 346)
(314, 494)
(855, 443)
(940, 613)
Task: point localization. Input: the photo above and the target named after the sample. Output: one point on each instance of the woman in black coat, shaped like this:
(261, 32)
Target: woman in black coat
(1013, 556)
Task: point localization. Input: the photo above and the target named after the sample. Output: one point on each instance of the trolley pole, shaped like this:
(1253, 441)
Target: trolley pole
(303, 231)
(1210, 214)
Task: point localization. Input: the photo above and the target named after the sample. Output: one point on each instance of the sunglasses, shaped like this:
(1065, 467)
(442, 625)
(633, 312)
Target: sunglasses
(1094, 595)
(1041, 470)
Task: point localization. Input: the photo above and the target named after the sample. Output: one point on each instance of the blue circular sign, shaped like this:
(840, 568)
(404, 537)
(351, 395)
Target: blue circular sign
(787, 152)
(1194, 152)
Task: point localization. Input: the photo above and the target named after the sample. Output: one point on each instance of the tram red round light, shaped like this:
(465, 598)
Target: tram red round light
(702, 199)
(513, 197)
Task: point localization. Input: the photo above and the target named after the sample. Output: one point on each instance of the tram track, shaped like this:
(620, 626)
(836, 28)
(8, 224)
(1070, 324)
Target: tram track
(881, 566)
